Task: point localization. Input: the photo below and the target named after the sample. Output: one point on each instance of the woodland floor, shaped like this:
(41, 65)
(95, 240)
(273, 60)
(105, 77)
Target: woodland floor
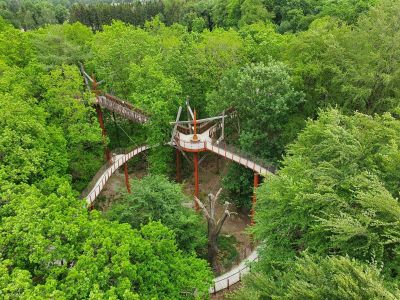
(209, 181)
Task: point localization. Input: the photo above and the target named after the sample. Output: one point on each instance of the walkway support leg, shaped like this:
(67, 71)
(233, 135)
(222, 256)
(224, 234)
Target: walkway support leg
(128, 186)
(196, 178)
(178, 165)
(254, 199)
(103, 132)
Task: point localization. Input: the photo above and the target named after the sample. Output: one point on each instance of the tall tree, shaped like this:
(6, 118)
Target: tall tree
(214, 226)
(335, 193)
(312, 277)
(154, 198)
(264, 98)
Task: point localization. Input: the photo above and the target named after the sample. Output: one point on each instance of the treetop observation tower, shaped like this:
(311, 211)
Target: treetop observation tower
(202, 135)
(190, 136)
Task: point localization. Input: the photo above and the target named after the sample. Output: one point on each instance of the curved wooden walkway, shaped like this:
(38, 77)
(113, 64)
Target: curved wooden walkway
(117, 161)
(226, 280)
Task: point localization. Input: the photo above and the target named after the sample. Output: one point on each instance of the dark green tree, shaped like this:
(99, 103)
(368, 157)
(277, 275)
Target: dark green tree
(154, 198)
(264, 98)
(335, 194)
(312, 277)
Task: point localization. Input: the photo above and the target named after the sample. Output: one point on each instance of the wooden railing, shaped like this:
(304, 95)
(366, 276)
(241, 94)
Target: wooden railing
(118, 161)
(124, 109)
(226, 280)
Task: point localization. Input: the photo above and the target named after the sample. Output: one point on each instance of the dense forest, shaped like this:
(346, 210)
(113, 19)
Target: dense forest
(316, 90)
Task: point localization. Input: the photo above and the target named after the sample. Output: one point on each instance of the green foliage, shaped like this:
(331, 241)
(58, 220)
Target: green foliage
(64, 103)
(297, 15)
(206, 62)
(62, 44)
(29, 149)
(53, 248)
(263, 43)
(228, 254)
(335, 194)
(253, 11)
(154, 198)
(157, 94)
(350, 67)
(15, 48)
(312, 277)
(114, 49)
(264, 97)
(238, 183)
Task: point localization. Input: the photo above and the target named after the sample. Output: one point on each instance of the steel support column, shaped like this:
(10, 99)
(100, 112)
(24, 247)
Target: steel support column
(254, 199)
(128, 186)
(196, 178)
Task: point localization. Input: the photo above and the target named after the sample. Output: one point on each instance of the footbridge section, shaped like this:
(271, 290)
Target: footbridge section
(124, 109)
(107, 171)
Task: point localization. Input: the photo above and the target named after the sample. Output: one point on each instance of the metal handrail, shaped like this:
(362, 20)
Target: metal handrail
(106, 174)
(226, 281)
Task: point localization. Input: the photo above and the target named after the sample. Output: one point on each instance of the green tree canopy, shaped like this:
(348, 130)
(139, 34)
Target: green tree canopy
(335, 194)
(312, 277)
(154, 198)
(62, 44)
(264, 98)
(52, 247)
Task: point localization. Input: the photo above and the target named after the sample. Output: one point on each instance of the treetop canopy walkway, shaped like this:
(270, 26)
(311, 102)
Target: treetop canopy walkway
(193, 136)
(122, 108)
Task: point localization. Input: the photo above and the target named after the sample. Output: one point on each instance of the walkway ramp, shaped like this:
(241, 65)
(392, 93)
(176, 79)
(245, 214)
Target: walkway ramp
(235, 275)
(122, 108)
(117, 161)
(231, 155)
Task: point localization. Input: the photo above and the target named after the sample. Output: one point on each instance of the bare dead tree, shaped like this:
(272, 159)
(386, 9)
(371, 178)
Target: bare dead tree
(214, 226)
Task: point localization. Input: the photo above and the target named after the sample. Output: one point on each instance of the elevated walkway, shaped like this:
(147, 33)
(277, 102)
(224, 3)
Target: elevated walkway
(182, 138)
(117, 161)
(226, 280)
(122, 108)
(205, 142)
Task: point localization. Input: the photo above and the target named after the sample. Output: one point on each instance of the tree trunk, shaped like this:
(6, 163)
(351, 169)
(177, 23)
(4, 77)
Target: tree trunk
(213, 250)
(214, 227)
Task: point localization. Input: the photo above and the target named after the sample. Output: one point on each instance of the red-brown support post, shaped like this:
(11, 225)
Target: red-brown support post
(178, 165)
(195, 138)
(101, 120)
(128, 186)
(254, 199)
(196, 178)
(103, 132)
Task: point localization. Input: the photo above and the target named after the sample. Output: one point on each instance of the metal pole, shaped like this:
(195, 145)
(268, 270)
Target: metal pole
(195, 138)
(101, 121)
(128, 186)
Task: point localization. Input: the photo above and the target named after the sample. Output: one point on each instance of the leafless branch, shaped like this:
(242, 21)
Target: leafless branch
(201, 205)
